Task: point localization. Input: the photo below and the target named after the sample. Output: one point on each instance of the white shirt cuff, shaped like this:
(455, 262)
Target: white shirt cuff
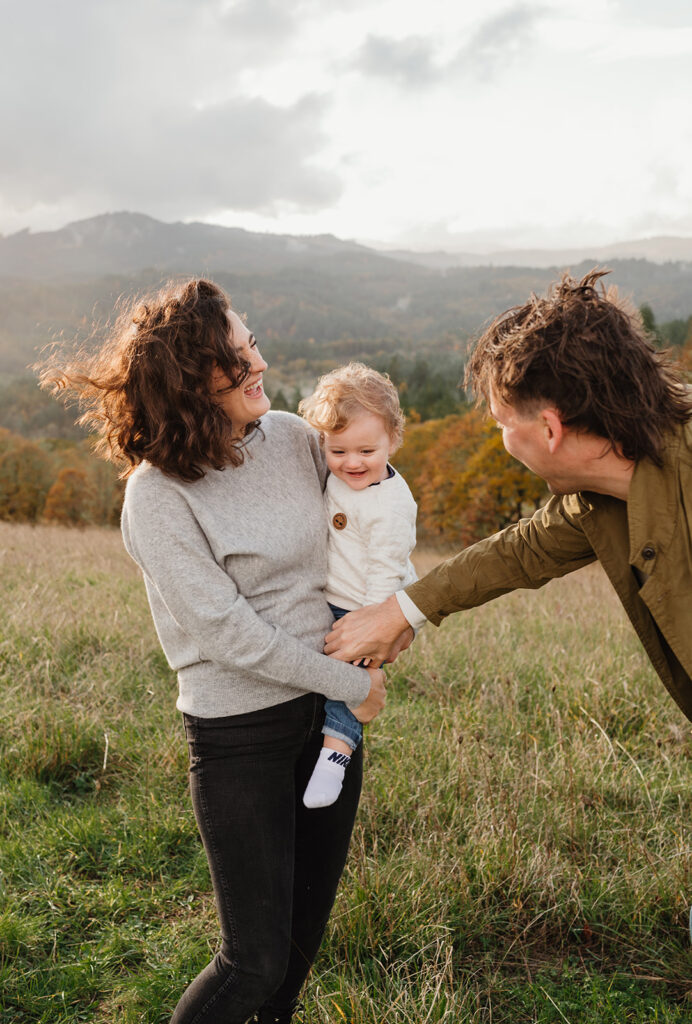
(413, 615)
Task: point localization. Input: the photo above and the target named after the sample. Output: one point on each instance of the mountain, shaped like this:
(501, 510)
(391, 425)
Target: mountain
(127, 243)
(314, 301)
(655, 250)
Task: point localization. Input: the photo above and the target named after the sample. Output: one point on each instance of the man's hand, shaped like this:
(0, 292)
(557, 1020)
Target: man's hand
(378, 631)
(374, 702)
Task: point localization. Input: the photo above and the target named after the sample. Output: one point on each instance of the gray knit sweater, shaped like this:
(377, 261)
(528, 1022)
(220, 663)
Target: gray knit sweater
(235, 565)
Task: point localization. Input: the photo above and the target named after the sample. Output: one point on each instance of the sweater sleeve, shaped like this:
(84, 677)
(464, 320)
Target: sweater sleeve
(163, 536)
(317, 452)
(551, 543)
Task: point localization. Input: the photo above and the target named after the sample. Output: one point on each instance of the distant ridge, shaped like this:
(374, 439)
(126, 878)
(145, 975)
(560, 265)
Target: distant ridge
(128, 243)
(663, 249)
(315, 299)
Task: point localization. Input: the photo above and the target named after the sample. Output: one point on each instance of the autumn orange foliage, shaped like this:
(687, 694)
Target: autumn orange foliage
(57, 481)
(465, 483)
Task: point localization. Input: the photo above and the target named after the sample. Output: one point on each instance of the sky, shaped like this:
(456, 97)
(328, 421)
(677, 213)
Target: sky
(427, 124)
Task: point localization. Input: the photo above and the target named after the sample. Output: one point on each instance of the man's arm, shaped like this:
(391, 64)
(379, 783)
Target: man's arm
(377, 631)
(525, 555)
(551, 543)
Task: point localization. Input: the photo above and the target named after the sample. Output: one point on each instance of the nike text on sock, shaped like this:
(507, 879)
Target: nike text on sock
(327, 778)
(336, 758)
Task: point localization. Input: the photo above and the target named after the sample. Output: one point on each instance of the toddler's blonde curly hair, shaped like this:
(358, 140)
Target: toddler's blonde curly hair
(349, 391)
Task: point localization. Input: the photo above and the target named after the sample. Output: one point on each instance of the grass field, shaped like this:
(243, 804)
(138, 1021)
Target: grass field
(522, 852)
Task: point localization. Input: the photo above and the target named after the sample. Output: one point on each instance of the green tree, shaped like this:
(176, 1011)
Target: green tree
(649, 321)
(279, 401)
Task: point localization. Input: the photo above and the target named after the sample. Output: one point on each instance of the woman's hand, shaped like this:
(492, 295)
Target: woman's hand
(374, 702)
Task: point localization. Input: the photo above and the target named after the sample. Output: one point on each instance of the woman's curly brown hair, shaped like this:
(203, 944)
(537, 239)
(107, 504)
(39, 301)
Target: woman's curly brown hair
(587, 352)
(145, 392)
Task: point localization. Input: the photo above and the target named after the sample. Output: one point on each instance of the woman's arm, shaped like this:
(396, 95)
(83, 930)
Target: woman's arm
(204, 602)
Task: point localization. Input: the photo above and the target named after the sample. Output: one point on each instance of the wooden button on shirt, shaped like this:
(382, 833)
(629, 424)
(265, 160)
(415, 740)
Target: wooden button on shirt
(340, 520)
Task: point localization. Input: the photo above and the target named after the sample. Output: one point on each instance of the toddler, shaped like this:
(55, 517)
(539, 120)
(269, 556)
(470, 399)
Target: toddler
(372, 527)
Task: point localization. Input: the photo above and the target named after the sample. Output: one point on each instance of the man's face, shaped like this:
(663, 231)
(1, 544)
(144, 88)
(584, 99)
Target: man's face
(530, 438)
(523, 435)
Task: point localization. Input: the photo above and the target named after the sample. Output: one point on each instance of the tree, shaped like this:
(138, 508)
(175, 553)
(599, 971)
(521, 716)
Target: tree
(24, 478)
(71, 499)
(279, 401)
(466, 485)
(649, 321)
(106, 490)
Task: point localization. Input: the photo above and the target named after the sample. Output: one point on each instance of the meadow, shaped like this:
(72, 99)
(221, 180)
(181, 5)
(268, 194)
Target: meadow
(522, 852)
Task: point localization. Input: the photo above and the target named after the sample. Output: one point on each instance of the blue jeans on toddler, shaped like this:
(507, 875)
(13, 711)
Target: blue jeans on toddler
(339, 721)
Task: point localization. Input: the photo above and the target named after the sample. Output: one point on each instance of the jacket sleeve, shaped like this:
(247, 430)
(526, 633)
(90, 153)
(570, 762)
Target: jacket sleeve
(526, 555)
(168, 544)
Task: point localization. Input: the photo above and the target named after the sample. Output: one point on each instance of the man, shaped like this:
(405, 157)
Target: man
(586, 402)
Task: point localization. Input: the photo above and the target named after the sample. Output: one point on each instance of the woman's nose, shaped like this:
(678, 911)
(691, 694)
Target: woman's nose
(257, 363)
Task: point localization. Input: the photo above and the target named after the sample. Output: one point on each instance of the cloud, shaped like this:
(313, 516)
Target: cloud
(412, 61)
(261, 20)
(408, 61)
(664, 12)
(138, 106)
(497, 40)
(243, 154)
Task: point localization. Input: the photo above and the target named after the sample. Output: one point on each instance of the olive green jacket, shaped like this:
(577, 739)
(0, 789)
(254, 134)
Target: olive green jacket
(644, 545)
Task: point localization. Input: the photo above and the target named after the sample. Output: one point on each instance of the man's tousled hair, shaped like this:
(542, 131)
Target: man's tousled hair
(145, 390)
(584, 350)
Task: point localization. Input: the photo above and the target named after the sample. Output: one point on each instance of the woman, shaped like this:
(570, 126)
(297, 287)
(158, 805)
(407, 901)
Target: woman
(223, 512)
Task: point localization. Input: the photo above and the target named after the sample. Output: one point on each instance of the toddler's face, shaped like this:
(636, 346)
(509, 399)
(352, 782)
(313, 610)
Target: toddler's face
(358, 454)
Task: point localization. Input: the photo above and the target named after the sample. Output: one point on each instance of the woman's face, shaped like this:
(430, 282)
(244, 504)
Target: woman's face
(247, 402)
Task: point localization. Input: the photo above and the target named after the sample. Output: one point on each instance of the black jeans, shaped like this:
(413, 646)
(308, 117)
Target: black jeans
(275, 865)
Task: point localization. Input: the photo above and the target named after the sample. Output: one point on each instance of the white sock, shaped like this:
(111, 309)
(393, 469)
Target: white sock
(327, 778)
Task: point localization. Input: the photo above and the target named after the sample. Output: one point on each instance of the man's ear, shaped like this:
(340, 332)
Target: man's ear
(553, 429)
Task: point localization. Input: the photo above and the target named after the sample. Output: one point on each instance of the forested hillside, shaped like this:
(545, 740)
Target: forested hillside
(313, 303)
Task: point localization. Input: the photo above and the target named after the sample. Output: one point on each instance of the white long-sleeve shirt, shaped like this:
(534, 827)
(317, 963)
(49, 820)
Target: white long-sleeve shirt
(371, 536)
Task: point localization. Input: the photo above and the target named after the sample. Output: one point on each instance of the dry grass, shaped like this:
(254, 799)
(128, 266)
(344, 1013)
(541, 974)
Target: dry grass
(522, 851)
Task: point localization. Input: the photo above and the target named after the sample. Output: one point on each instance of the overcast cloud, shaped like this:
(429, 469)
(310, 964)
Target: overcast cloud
(138, 106)
(416, 61)
(498, 39)
(407, 61)
(378, 119)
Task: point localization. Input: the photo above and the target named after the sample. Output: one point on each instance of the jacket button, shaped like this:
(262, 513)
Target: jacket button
(648, 552)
